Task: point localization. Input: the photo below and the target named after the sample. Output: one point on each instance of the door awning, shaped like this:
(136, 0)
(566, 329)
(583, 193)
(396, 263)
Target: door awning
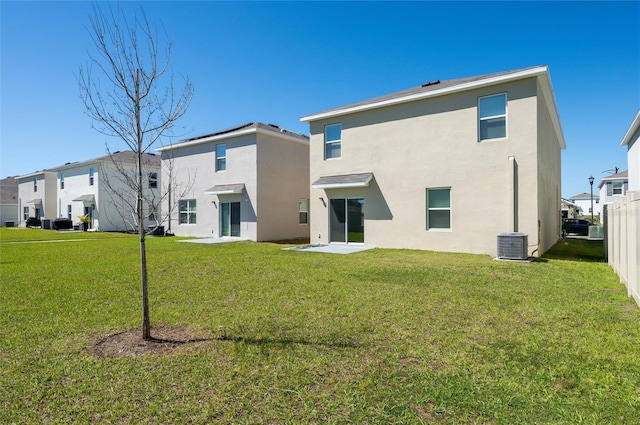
(87, 199)
(225, 189)
(36, 201)
(343, 181)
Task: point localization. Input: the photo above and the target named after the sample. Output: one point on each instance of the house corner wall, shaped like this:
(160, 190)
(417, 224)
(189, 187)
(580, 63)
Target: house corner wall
(549, 179)
(283, 181)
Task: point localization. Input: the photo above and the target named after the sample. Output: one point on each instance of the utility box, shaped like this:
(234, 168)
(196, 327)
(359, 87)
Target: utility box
(513, 246)
(596, 232)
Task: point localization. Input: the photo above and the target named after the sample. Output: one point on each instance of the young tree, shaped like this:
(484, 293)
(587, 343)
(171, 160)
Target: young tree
(132, 98)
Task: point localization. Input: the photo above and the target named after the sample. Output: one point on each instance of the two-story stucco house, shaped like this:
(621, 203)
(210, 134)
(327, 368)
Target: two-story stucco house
(98, 188)
(249, 182)
(8, 201)
(583, 201)
(445, 166)
(613, 189)
(37, 196)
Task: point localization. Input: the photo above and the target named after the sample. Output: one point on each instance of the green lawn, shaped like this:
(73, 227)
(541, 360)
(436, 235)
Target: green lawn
(377, 337)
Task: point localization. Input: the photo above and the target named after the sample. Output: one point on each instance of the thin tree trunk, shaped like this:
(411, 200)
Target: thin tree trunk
(146, 324)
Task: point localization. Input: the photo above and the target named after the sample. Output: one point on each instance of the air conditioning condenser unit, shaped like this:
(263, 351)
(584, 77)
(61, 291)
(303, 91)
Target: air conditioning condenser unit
(513, 246)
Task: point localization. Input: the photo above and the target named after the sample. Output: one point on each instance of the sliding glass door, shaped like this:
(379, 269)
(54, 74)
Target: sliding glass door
(230, 219)
(346, 220)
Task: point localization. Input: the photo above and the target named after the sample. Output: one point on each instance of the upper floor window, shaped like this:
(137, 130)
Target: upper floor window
(618, 188)
(221, 157)
(35, 184)
(153, 180)
(439, 208)
(333, 141)
(492, 117)
(90, 176)
(61, 180)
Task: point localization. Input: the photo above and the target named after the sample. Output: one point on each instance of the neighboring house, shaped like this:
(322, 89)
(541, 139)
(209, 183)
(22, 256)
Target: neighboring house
(583, 201)
(250, 182)
(569, 209)
(630, 140)
(37, 196)
(97, 188)
(613, 189)
(8, 201)
(446, 166)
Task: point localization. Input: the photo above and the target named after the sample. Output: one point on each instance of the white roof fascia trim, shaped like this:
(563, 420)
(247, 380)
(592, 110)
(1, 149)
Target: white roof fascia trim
(242, 132)
(82, 164)
(34, 174)
(223, 192)
(635, 125)
(339, 185)
(424, 95)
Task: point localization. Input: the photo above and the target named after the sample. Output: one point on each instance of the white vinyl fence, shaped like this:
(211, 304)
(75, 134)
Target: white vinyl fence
(623, 241)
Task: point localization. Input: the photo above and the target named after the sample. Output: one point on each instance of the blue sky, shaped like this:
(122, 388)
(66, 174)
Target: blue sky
(275, 62)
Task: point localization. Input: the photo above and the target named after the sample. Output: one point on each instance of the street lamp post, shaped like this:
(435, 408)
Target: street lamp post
(591, 183)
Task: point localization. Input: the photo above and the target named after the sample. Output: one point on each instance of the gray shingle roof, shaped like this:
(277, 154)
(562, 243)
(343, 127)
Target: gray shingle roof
(585, 195)
(254, 125)
(432, 86)
(124, 157)
(8, 191)
(622, 175)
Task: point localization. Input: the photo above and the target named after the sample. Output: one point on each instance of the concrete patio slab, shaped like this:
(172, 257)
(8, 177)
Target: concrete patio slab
(331, 249)
(212, 240)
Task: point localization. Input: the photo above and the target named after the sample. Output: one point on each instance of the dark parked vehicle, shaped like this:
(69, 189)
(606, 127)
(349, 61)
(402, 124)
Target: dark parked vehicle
(34, 222)
(575, 226)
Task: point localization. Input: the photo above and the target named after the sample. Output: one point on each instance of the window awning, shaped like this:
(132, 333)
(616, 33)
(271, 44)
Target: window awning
(36, 201)
(343, 181)
(225, 189)
(87, 199)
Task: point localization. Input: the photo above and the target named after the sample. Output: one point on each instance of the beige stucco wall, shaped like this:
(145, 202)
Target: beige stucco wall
(115, 200)
(47, 191)
(433, 143)
(76, 183)
(194, 172)
(549, 179)
(275, 173)
(283, 176)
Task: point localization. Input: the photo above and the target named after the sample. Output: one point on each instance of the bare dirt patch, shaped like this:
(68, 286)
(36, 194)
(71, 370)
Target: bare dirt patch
(129, 343)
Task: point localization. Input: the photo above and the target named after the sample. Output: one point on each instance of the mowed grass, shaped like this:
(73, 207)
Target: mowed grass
(377, 337)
